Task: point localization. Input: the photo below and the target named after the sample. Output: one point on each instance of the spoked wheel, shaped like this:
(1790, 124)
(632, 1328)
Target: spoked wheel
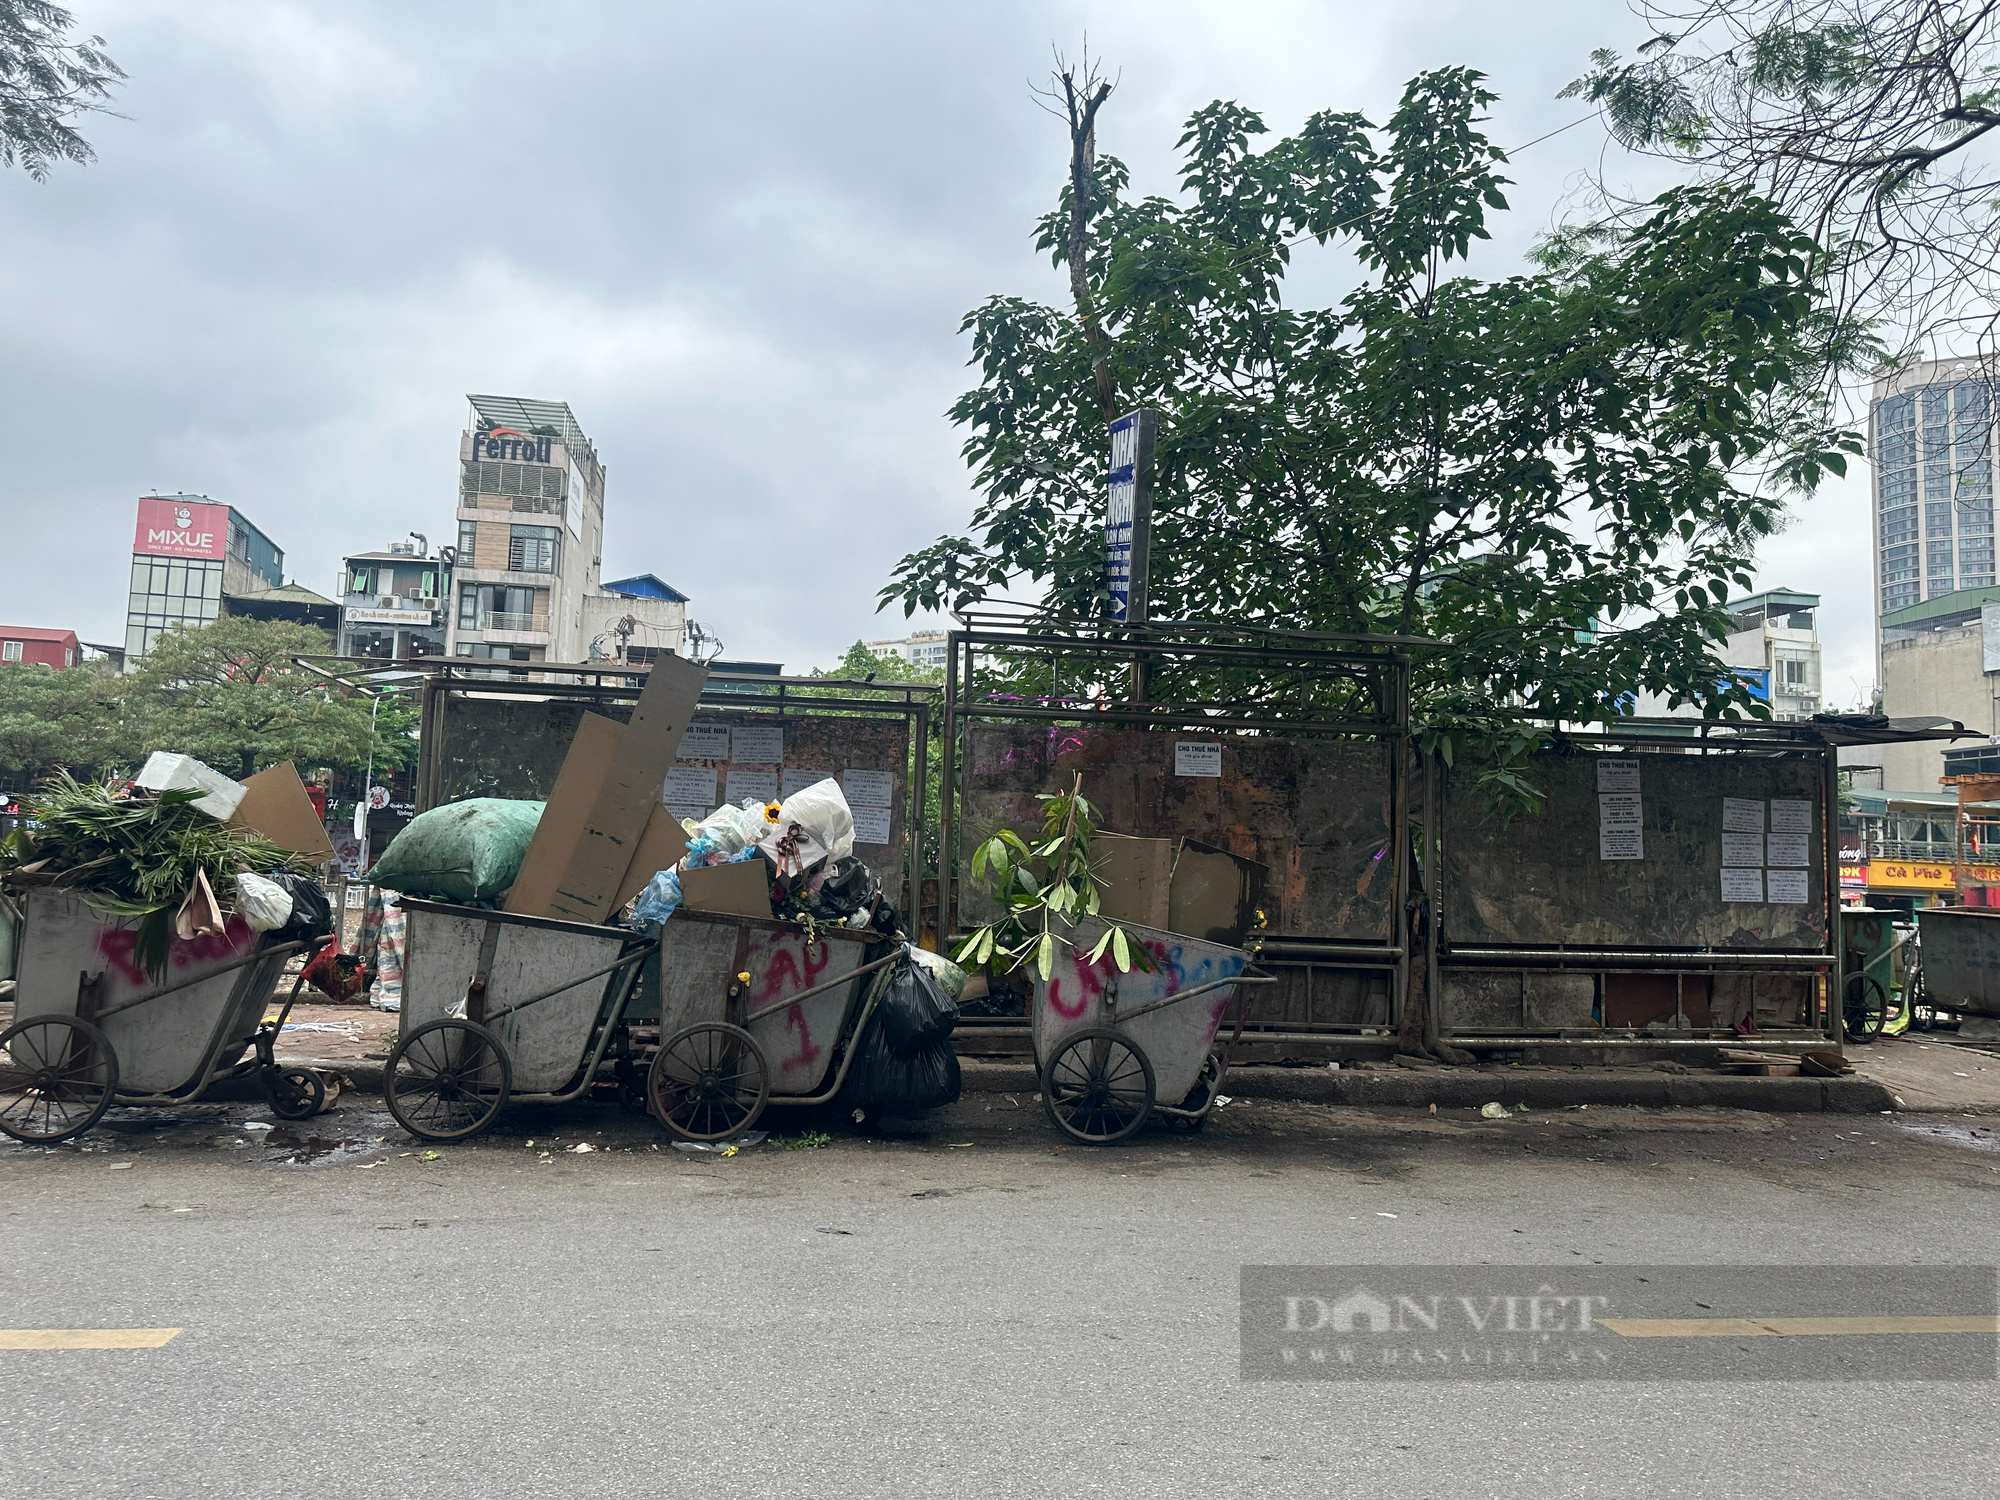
(295, 1093)
(709, 1081)
(1098, 1088)
(447, 1080)
(1864, 1008)
(58, 1075)
(1199, 1098)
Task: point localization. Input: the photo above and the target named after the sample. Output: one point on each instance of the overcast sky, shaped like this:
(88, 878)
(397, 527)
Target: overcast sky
(737, 238)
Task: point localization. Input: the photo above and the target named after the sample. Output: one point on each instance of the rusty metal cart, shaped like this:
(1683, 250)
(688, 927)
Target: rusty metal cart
(1111, 1045)
(95, 1029)
(500, 1007)
(754, 1012)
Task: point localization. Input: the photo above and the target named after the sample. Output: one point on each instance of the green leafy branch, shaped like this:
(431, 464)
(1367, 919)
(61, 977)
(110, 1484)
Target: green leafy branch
(1040, 884)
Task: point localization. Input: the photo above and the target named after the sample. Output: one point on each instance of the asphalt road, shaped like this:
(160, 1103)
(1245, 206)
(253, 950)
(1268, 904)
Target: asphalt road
(968, 1309)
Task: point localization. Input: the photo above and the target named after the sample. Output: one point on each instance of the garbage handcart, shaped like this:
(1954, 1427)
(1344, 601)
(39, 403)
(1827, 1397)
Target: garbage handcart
(1111, 1046)
(738, 1011)
(94, 1028)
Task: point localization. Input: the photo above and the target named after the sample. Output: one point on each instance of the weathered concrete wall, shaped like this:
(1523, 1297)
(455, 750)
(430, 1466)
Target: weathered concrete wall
(1315, 811)
(1938, 672)
(1538, 880)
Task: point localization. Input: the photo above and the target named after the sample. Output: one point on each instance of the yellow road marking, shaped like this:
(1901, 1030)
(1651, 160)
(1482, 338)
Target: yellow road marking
(1753, 1328)
(85, 1338)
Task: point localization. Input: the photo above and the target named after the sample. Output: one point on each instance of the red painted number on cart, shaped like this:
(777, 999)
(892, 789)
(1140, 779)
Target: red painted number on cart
(808, 1054)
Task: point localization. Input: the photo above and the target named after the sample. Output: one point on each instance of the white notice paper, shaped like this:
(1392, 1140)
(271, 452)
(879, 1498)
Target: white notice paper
(871, 825)
(687, 785)
(1791, 816)
(1794, 849)
(795, 780)
(1617, 774)
(757, 745)
(1742, 815)
(1197, 758)
(1620, 826)
(763, 785)
(868, 788)
(705, 742)
(1744, 886)
(1742, 849)
(688, 810)
(1788, 887)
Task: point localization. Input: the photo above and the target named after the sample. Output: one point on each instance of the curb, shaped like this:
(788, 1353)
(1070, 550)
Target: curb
(1453, 1088)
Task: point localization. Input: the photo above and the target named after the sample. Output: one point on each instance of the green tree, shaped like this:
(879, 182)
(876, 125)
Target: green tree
(46, 82)
(66, 719)
(1559, 476)
(232, 695)
(1872, 123)
(860, 663)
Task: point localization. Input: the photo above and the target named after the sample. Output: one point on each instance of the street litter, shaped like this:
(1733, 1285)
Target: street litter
(580, 1147)
(1494, 1111)
(723, 1148)
(1222, 1099)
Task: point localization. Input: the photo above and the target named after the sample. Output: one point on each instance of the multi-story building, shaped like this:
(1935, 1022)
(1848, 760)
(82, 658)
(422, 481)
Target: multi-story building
(188, 552)
(30, 645)
(920, 648)
(392, 604)
(634, 620)
(530, 532)
(1776, 633)
(1931, 426)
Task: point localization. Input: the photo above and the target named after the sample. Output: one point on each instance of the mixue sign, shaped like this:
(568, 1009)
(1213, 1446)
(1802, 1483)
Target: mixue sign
(181, 528)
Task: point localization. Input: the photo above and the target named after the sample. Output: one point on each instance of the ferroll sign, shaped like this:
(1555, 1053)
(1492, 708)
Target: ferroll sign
(512, 446)
(181, 528)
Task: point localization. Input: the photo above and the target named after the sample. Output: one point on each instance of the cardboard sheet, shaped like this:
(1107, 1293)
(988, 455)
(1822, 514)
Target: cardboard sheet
(570, 801)
(630, 791)
(739, 890)
(1133, 876)
(275, 804)
(660, 848)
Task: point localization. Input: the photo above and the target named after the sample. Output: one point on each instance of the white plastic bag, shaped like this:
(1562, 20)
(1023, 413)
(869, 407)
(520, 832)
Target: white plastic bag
(814, 823)
(264, 904)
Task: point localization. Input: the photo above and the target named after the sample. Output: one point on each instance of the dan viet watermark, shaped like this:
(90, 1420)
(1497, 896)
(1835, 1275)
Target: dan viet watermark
(1620, 1322)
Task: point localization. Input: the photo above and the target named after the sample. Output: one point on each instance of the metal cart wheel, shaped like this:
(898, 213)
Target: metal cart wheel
(709, 1081)
(1098, 1088)
(295, 1093)
(1200, 1099)
(58, 1075)
(1864, 1008)
(447, 1080)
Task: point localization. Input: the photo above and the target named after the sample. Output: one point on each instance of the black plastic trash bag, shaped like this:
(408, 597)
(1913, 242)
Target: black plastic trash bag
(915, 1012)
(884, 1083)
(312, 913)
(849, 886)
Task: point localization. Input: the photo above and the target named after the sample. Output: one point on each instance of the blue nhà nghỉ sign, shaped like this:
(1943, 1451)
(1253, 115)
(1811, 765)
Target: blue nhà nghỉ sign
(1127, 515)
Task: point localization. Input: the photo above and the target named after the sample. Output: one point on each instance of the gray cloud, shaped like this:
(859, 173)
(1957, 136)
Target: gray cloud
(738, 239)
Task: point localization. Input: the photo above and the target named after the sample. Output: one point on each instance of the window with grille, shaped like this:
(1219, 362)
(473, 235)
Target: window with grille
(468, 541)
(532, 549)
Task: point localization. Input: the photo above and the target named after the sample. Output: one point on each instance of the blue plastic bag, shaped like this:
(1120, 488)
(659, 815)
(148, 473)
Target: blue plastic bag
(659, 900)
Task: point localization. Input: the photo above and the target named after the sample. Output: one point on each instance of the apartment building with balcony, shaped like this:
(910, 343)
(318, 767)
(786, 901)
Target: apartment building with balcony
(530, 533)
(393, 603)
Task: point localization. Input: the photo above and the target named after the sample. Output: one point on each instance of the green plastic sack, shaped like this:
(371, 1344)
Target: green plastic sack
(466, 851)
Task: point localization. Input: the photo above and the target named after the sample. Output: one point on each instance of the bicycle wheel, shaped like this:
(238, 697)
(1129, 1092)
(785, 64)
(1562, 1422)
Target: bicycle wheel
(1098, 1088)
(1864, 1007)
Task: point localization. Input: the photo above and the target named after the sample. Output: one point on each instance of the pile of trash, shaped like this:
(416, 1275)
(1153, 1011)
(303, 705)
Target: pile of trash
(181, 851)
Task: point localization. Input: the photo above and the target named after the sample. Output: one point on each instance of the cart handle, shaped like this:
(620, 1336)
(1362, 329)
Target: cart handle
(856, 973)
(1246, 977)
(637, 955)
(254, 956)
